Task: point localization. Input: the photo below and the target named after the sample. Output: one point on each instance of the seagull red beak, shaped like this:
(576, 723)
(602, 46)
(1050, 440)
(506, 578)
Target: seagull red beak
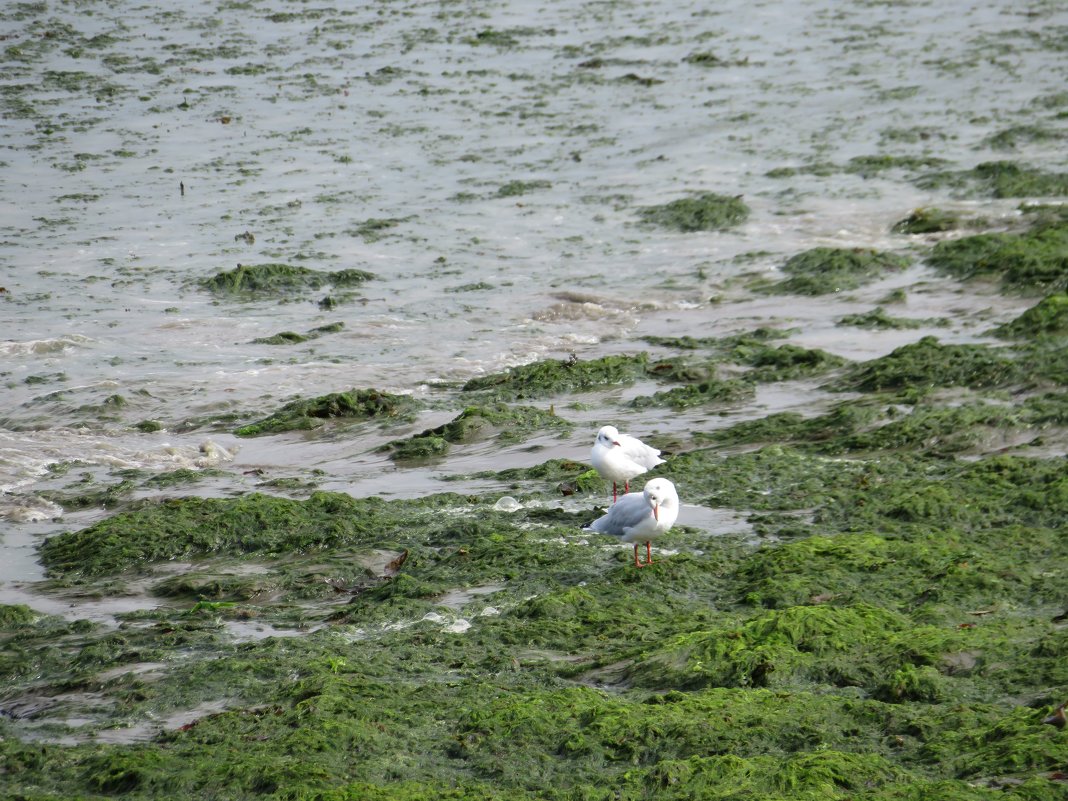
(616, 444)
(656, 512)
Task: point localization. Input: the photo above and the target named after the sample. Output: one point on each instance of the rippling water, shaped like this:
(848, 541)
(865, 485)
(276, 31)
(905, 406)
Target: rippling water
(146, 148)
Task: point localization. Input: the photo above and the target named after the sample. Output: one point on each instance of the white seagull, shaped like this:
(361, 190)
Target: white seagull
(641, 516)
(619, 458)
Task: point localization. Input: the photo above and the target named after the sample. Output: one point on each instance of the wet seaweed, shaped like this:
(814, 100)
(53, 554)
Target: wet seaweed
(822, 270)
(498, 421)
(927, 364)
(1034, 260)
(557, 376)
(357, 404)
(999, 179)
(275, 279)
(707, 212)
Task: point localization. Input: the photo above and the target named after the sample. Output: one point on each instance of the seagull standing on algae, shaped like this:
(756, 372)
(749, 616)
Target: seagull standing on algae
(619, 458)
(641, 517)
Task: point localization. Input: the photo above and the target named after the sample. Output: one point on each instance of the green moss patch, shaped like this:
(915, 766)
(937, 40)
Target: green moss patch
(357, 404)
(707, 212)
(278, 280)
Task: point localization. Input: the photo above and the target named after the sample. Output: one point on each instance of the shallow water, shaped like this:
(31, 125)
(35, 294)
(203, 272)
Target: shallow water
(140, 145)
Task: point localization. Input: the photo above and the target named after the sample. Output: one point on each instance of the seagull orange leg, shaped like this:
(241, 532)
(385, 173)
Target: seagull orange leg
(648, 555)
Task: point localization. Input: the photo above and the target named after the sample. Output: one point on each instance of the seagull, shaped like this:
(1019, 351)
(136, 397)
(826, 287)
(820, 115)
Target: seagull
(619, 458)
(640, 516)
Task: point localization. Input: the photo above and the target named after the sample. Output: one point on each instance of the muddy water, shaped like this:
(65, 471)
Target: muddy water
(486, 163)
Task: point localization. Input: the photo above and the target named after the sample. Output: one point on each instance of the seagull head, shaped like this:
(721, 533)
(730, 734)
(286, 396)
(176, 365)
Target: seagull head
(608, 436)
(659, 491)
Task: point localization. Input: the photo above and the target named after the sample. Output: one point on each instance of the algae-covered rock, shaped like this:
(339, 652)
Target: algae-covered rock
(927, 221)
(1035, 259)
(999, 179)
(927, 364)
(14, 616)
(357, 404)
(823, 270)
(293, 338)
(786, 362)
(1047, 318)
(420, 447)
(554, 377)
(279, 279)
(501, 421)
(697, 394)
(877, 318)
(567, 476)
(152, 530)
(737, 347)
(706, 212)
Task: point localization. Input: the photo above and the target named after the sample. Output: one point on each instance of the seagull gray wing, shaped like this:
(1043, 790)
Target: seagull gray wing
(626, 513)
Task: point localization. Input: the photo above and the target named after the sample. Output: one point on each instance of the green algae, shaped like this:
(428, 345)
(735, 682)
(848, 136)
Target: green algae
(785, 362)
(845, 645)
(373, 229)
(1047, 318)
(357, 404)
(499, 421)
(877, 318)
(823, 270)
(558, 376)
(866, 166)
(1010, 138)
(279, 280)
(514, 188)
(706, 212)
(999, 179)
(566, 476)
(798, 631)
(1034, 260)
(736, 346)
(924, 365)
(699, 393)
(15, 616)
(152, 530)
(928, 428)
(293, 338)
(85, 495)
(928, 221)
(766, 362)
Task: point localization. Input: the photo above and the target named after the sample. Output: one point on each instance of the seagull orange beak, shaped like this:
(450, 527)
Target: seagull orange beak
(656, 512)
